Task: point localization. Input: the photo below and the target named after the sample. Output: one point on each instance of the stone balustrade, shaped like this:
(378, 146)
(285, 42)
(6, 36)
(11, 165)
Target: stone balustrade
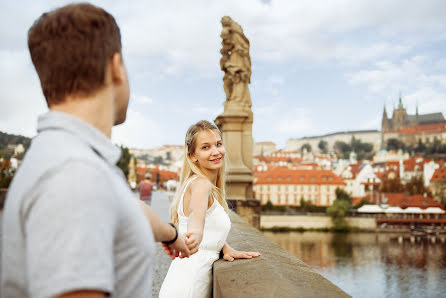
(276, 273)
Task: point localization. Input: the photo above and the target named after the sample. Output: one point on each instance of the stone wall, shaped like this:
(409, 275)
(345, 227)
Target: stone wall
(276, 273)
(366, 136)
(312, 222)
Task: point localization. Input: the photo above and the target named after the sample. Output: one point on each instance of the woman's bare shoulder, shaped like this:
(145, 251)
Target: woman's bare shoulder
(201, 183)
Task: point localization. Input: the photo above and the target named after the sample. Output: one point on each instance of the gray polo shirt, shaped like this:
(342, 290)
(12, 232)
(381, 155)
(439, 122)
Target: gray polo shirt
(70, 221)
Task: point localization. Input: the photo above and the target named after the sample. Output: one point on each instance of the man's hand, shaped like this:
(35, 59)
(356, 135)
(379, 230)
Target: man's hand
(177, 249)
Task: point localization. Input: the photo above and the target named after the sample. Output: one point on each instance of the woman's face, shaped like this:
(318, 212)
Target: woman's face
(209, 150)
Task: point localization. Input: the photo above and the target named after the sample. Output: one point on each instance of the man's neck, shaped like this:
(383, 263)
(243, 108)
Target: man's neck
(96, 110)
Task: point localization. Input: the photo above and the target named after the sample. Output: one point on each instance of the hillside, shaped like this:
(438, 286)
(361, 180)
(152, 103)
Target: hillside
(8, 139)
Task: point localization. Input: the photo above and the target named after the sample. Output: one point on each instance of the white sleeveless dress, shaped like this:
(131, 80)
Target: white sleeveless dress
(192, 277)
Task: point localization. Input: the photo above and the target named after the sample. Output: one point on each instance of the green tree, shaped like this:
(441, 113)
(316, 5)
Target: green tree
(168, 156)
(158, 160)
(123, 162)
(420, 148)
(305, 146)
(392, 185)
(395, 144)
(269, 205)
(343, 195)
(6, 173)
(323, 146)
(339, 210)
(342, 149)
(6, 153)
(416, 186)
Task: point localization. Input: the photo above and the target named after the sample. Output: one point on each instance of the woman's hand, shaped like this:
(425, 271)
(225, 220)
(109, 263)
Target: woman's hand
(177, 249)
(193, 240)
(230, 254)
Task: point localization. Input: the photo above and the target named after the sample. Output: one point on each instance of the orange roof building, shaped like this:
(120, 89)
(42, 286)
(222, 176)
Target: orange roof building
(284, 186)
(404, 201)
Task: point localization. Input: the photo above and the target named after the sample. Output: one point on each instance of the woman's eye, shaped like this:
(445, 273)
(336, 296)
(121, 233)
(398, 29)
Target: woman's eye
(205, 147)
(219, 144)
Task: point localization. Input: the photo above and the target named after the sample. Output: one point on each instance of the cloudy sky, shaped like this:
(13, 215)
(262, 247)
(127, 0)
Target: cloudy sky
(317, 66)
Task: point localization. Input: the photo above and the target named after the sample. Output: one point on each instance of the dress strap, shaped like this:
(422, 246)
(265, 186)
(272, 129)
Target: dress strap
(180, 205)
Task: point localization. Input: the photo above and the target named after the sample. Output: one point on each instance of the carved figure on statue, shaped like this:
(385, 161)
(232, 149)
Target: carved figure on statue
(235, 62)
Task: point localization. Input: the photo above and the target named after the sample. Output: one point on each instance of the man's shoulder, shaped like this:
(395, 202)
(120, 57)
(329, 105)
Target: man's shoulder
(66, 157)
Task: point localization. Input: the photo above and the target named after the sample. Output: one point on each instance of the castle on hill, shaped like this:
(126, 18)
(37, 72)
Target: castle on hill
(412, 128)
(401, 119)
(407, 128)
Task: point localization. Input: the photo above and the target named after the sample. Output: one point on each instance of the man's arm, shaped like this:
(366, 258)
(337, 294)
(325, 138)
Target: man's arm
(164, 232)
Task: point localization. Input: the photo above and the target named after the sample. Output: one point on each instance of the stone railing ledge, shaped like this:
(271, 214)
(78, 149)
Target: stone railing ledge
(276, 273)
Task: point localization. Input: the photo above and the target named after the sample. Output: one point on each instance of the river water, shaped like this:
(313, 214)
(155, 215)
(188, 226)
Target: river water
(372, 264)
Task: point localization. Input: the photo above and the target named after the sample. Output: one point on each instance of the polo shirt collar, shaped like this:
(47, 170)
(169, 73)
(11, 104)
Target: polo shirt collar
(82, 130)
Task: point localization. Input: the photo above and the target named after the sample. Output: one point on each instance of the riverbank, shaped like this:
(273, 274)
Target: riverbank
(322, 223)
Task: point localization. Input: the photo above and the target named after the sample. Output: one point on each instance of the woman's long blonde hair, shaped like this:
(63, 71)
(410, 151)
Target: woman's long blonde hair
(190, 169)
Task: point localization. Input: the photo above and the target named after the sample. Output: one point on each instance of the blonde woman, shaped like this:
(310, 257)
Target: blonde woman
(200, 211)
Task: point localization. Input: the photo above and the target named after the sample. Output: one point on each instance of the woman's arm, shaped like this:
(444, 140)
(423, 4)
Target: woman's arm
(200, 190)
(230, 254)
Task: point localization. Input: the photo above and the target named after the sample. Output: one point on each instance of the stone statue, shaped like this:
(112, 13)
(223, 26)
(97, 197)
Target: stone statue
(235, 62)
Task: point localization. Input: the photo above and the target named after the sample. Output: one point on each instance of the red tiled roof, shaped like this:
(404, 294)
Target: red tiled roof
(164, 175)
(439, 175)
(269, 159)
(411, 164)
(281, 175)
(265, 143)
(426, 128)
(403, 200)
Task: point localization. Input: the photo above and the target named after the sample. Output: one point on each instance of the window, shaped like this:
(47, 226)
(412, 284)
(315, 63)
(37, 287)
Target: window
(302, 178)
(279, 178)
(288, 178)
(269, 178)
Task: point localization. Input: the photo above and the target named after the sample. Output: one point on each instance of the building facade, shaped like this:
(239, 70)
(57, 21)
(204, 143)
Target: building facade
(284, 186)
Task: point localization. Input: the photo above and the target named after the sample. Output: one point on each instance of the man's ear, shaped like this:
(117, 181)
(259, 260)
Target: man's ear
(117, 68)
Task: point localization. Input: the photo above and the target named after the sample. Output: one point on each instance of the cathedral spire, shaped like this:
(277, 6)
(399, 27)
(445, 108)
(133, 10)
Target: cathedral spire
(384, 113)
(400, 105)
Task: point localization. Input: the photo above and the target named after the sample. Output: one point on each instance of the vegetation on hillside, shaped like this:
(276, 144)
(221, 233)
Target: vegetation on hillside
(426, 149)
(364, 151)
(9, 139)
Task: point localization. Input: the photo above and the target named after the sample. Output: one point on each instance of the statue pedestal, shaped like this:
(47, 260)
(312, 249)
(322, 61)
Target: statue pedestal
(236, 126)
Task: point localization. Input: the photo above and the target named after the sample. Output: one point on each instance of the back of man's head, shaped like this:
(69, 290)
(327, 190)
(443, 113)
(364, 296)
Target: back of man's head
(70, 48)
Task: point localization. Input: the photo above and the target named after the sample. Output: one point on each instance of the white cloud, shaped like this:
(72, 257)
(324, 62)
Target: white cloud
(380, 44)
(21, 100)
(141, 99)
(138, 131)
(414, 77)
